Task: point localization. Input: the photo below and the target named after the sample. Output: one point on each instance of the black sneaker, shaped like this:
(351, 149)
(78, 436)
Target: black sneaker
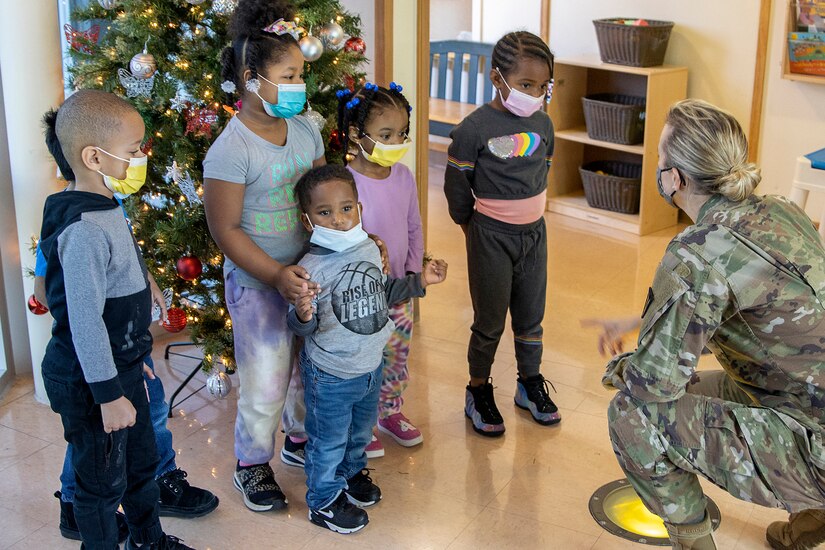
(166, 542)
(260, 491)
(181, 500)
(292, 454)
(361, 491)
(341, 516)
(480, 407)
(68, 525)
(532, 395)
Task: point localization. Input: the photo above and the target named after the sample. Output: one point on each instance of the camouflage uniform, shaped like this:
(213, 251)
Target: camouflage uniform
(747, 281)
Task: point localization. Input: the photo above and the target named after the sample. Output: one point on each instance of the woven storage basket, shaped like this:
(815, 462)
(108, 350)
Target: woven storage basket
(617, 190)
(632, 45)
(615, 118)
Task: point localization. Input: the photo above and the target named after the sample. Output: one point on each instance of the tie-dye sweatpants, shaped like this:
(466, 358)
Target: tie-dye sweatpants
(270, 383)
(396, 375)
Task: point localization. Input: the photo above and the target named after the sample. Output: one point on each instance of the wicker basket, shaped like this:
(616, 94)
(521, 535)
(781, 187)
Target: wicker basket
(615, 118)
(617, 190)
(633, 45)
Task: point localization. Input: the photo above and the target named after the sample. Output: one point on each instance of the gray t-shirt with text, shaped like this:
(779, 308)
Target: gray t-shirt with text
(269, 172)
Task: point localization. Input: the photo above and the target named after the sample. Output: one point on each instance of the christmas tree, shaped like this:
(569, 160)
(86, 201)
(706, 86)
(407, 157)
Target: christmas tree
(164, 57)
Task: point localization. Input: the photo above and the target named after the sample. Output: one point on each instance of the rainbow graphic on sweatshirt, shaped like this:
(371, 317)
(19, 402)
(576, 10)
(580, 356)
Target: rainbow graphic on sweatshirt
(523, 144)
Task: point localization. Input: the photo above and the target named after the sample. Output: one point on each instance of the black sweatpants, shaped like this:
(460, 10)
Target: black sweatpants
(507, 268)
(114, 468)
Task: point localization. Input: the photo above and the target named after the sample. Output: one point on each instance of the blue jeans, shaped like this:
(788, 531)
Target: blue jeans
(158, 409)
(340, 414)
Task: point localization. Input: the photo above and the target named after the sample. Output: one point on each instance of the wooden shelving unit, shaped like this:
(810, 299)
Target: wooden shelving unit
(577, 77)
(790, 26)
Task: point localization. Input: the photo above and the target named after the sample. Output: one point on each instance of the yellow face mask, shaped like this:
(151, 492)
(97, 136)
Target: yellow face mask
(386, 155)
(135, 176)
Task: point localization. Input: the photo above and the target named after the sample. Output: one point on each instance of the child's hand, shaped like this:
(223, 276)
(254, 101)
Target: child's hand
(385, 256)
(304, 306)
(158, 299)
(434, 272)
(118, 414)
(291, 282)
(612, 332)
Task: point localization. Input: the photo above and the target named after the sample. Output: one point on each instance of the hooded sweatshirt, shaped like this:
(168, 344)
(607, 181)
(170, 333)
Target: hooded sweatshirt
(98, 292)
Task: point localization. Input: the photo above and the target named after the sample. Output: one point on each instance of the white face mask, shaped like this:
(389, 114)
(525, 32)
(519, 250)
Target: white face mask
(336, 240)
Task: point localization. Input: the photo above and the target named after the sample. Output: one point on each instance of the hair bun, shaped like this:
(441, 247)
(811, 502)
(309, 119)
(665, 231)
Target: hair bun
(740, 182)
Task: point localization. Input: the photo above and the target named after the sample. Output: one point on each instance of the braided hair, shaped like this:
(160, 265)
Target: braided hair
(252, 47)
(355, 108)
(520, 44)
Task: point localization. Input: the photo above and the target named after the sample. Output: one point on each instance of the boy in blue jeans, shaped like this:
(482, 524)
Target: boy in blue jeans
(346, 326)
(177, 497)
(100, 298)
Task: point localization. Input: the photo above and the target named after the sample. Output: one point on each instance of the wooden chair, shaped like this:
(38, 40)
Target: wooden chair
(448, 57)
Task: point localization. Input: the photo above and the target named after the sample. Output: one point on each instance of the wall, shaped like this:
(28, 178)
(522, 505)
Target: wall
(450, 17)
(404, 61)
(366, 10)
(720, 52)
(31, 84)
(793, 122)
(495, 18)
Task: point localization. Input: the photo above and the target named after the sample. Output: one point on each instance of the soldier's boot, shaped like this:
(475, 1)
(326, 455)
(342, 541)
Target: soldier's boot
(803, 530)
(693, 536)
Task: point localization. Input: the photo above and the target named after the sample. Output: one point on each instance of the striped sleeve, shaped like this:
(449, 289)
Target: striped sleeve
(459, 175)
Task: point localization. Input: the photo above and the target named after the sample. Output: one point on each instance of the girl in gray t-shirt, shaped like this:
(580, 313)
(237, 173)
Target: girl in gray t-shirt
(249, 176)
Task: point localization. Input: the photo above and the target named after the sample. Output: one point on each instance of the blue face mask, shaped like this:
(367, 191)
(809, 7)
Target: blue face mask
(336, 240)
(291, 100)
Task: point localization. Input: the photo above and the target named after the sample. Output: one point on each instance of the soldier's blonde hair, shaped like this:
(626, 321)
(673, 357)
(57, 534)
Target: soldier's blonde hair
(709, 146)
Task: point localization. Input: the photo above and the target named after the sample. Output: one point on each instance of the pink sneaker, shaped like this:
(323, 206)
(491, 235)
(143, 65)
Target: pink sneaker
(375, 449)
(401, 430)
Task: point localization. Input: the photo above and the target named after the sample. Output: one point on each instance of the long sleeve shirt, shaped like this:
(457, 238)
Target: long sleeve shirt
(347, 334)
(496, 155)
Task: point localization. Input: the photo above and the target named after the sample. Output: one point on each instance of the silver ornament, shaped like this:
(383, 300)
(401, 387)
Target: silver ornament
(503, 147)
(195, 2)
(316, 118)
(311, 47)
(107, 4)
(219, 384)
(143, 64)
(224, 7)
(135, 86)
(332, 35)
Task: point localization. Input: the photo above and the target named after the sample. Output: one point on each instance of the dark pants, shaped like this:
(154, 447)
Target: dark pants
(110, 469)
(507, 268)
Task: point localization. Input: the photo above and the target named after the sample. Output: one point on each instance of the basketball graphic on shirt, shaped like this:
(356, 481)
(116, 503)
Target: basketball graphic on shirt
(358, 298)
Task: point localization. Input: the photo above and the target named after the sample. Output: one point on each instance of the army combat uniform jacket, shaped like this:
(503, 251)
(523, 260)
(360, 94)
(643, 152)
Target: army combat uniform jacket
(747, 281)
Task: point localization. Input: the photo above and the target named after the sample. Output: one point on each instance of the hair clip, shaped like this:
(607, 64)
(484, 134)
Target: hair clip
(228, 86)
(281, 27)
(409, 108)
(370, 86)
(343, 93)
(253, 85)
(353, 102)
(549, 95)
(396, 87)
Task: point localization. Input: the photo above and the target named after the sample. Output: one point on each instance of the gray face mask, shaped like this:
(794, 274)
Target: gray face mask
(660, 187)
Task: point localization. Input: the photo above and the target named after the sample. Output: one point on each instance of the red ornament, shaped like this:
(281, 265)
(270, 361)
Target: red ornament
(36, 307)
(355, 45)
(175, 319)
(82, 41)
(200, 122)
(335, 141)
(146, 147)
(349, 82)
(189, 268)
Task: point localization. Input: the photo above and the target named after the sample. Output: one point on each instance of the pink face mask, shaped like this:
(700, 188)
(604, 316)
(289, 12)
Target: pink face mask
(519, 103)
